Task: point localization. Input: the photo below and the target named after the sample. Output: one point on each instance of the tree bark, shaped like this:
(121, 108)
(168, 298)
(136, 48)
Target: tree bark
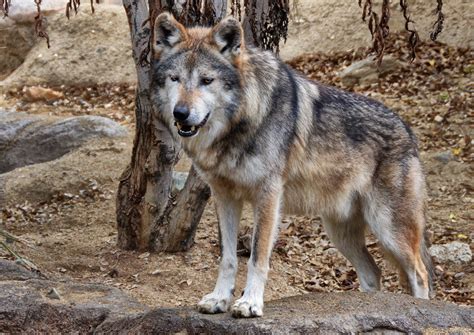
(143, 188)
(175, 230)
(252, 13)
(148, 217)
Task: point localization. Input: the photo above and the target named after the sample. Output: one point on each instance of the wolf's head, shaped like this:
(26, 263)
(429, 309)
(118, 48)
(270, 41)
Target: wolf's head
(196, 76)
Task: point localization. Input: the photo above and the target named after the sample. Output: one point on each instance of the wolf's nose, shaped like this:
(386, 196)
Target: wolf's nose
(181, 113)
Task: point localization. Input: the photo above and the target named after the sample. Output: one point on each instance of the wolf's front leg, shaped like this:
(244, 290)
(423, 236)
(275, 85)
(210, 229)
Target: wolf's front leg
(266, 216)
(228, 212)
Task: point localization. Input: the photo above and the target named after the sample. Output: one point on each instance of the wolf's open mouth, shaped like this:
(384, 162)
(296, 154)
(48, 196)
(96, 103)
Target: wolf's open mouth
(188, 131)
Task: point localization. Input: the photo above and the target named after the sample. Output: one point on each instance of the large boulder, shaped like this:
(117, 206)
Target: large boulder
(28, 139)
(316, 313)
(96, 165)
(88, 49)
(26, 307)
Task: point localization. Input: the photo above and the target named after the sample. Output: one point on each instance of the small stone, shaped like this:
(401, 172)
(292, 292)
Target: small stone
(444, 157)
(438, 118)
(459, 275)
(53, 294)
(144, 255)
(453, 252)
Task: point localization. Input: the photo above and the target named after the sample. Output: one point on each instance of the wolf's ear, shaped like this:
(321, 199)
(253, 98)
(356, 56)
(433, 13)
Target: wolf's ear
(228, 36)
(168, 32)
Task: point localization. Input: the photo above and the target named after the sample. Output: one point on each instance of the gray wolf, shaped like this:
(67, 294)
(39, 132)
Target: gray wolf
(260, 132)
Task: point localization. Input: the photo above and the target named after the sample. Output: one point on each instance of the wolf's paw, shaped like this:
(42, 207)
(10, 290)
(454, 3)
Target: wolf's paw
(213, 303)
(244, 308)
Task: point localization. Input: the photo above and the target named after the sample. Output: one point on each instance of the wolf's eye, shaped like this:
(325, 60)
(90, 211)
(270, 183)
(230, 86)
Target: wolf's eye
(206, 81)
(174, 78)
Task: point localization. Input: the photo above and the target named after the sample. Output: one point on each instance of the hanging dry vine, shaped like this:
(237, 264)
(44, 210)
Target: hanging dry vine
(74, 5)
(274, 25)
(413, 39)
(367, 9)
(200, 12)
(379, 29)
(438, 25)
(4, 6)
(269, 23)
(41, 24)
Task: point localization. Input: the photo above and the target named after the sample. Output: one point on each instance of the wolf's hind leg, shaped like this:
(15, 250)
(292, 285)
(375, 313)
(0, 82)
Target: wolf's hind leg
(401, 236)
(228, 212)
(349, 238)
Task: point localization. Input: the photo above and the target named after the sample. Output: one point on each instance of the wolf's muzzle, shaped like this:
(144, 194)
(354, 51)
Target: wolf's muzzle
(185, 130)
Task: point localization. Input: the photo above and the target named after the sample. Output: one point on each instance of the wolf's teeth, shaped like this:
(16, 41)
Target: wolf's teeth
(178, 126)
(193, 128)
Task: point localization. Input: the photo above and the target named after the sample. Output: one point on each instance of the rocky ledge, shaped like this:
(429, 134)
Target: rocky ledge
(30, 304)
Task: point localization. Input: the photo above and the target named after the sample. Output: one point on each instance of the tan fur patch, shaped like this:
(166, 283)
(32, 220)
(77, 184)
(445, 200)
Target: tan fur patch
(267, 219)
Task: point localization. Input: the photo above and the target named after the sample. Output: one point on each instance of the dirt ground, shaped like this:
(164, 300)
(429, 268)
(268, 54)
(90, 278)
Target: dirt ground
(74, 236)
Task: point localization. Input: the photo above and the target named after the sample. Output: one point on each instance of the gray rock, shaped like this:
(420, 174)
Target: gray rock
(453, 252)
(16, 40)
(68, 62)
(25, 308)
(444, 157)
(367, 71)
(87, 308)
(27, 139)
(315, 313)
(12, 271)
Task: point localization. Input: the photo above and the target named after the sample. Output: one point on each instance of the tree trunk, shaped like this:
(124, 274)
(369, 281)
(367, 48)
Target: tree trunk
(253, 11)
(139, 199)
(148, 217)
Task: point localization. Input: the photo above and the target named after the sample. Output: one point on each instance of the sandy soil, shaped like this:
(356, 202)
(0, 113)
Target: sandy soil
(326, 25)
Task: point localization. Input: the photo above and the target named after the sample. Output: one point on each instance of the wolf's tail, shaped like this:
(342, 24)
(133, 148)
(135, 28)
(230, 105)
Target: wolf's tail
(428, 262)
